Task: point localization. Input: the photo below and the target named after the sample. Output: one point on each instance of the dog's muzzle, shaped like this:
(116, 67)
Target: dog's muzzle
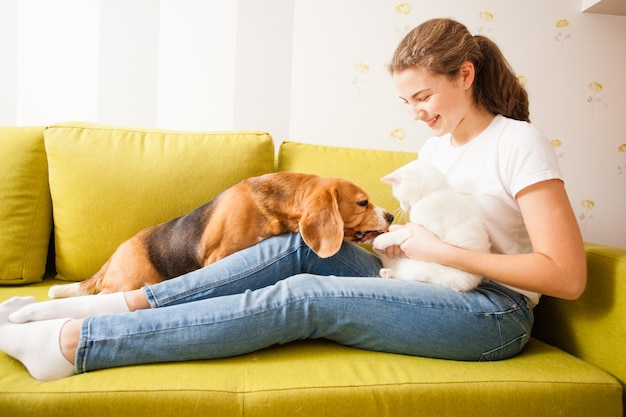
(367, 237)
(385, 219)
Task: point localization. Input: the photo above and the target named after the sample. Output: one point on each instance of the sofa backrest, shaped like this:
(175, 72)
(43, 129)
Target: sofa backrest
(95, 186)
(107, 182)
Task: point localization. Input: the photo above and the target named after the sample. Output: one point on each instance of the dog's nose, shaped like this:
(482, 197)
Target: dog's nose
(389, 217)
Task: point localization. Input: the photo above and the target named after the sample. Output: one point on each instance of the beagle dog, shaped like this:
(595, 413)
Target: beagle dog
(325, 211)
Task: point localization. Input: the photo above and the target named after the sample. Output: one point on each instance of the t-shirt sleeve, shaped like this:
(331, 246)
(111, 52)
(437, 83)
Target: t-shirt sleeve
(528, 158)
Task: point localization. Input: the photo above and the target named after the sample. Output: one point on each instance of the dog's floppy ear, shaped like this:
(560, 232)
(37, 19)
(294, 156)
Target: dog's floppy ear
(321, 225)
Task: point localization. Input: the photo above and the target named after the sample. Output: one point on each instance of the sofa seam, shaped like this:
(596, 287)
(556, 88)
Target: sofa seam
(320, 387)
(71, 125)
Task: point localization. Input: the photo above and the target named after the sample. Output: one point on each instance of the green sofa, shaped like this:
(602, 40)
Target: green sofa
(91, 186)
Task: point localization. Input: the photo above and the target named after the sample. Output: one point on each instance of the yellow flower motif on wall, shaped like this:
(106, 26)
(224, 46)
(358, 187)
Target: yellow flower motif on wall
(404, 8)
(596, 89)
(398, 134)
(362, 68)
(487, 17)
(588, 205)
(556, 144)
(402, 11)
(562, 32)
(563, 23)
(621, 169)
(361, 78)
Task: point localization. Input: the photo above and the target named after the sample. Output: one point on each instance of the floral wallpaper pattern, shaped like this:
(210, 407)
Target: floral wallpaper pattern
(315, 71)
(621, 167)
(562, 32)
(486, 17)
(595, 96)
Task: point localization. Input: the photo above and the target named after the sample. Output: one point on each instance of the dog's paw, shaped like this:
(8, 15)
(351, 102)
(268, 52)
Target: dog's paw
(64, 291)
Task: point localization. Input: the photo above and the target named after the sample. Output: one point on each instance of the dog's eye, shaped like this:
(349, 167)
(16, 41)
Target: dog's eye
(363, 203)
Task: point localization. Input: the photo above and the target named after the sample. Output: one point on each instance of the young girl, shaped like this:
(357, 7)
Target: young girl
(278, 290)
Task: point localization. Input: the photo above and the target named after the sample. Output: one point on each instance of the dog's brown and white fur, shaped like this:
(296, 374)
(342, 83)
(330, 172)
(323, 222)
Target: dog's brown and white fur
(325, 211)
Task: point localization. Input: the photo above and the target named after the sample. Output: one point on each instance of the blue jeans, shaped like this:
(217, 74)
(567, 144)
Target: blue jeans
(279, 291)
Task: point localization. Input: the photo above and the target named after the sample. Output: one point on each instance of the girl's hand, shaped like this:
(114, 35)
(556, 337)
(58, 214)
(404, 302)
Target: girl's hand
(423, 245)
(391, 252)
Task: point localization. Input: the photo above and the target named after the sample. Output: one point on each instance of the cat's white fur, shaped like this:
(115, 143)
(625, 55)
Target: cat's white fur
(425, 194)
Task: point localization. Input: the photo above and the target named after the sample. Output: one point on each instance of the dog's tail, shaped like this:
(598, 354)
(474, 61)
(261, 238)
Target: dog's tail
(90, 286)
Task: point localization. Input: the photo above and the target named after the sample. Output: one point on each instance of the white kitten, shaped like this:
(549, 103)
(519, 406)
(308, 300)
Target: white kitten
(425, 194)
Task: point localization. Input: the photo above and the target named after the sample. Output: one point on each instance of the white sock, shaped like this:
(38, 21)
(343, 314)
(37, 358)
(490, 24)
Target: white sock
(73, 307)
(36, 344)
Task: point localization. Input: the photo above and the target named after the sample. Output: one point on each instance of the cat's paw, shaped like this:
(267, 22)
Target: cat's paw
(381, 242)
(391, 238)
(385, 273)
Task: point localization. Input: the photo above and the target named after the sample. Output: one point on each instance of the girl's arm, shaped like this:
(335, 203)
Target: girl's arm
(556, 267)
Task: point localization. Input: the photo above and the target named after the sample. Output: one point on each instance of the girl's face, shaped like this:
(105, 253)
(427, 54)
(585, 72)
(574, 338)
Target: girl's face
(439, 102)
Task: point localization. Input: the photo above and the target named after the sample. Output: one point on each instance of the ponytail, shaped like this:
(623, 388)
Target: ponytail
(496, 87)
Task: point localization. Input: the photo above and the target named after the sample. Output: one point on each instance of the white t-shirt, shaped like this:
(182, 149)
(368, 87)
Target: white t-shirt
(508, 156)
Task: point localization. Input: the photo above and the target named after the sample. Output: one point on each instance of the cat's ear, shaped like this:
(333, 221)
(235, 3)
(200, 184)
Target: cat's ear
(392, 178)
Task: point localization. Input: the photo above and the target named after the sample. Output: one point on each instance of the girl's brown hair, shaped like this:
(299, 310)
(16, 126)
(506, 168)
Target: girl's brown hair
(443, 45)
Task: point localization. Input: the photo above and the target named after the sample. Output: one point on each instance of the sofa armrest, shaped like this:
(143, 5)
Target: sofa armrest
(593, 327)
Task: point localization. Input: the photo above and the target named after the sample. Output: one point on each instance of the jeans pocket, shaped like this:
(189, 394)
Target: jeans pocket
(507, 350)
(515, 328)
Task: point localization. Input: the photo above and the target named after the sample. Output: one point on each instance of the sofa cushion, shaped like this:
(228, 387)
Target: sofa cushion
(320, 378)
(331, 161)
(107, 183)
(585, 326)
(25, 212)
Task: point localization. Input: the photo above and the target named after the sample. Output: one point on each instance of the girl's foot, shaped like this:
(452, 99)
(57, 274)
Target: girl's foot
(36, 344)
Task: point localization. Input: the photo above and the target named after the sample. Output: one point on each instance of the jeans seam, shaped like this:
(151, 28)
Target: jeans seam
(353, 265)
(501, 347)
(80, 358)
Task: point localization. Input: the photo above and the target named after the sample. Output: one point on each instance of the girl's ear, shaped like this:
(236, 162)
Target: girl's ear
(468, 72)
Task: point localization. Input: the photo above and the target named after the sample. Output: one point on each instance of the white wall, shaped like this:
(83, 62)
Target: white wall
(315, 71)
(56, 60)
(8, 61)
